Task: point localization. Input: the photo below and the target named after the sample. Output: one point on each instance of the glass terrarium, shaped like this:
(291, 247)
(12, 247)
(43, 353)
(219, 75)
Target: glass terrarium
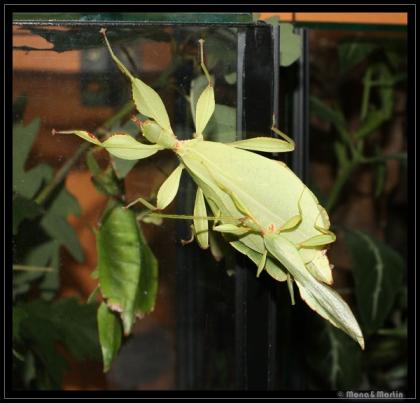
(198, 334)
(207, 322)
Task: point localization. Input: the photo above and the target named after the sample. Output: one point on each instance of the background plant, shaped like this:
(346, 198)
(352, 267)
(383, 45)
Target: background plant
(40, 229)
(357, 107)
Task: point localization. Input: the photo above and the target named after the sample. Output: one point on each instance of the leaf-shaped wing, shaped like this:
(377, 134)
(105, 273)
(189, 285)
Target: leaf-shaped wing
(127, 267)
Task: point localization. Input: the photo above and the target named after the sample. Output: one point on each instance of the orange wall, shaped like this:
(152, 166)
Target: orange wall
(361, 18)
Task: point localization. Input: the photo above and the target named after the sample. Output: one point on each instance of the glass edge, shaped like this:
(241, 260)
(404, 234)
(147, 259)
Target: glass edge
(194, 18)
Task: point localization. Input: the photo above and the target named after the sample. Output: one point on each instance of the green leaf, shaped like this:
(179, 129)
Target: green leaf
(64, 203)
(148, 287)
(58, 228)
(290, 45)
(325, 112)
(336, 360)
(46, 254)
(127, 267)
(27, 183)
(122, 167)
(65, 321)
(374, 119)
(42, 255)
(23, 209)
(378, 273)
(219, 50)
(387, 351)
(110, 333)
(51, 280)
(19, 315)
(351, 53)
(23, 138)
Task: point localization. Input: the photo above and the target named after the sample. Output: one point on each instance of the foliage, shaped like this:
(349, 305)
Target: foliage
(38, 327)
(41, 207)
(40, 229)
(378, 274)
(290, 43)
(39, 324)
(377, 267)
(127, 269)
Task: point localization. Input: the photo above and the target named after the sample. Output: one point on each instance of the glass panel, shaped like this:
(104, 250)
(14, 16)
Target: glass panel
(64, 78)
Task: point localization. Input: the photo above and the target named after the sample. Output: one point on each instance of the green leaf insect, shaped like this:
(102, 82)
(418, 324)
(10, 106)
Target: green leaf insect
(277, 222)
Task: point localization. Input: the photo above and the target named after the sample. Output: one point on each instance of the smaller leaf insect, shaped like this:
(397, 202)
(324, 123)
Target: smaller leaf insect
(260, 206)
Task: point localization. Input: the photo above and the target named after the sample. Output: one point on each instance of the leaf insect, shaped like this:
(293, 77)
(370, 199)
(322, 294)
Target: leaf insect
(277, 222)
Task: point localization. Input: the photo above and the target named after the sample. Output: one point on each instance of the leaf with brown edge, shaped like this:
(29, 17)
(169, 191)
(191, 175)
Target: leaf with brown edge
(126, 265)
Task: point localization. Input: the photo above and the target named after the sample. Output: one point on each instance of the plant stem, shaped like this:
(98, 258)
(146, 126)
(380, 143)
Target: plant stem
(343, 176)
(382, 158)
(62, 172)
